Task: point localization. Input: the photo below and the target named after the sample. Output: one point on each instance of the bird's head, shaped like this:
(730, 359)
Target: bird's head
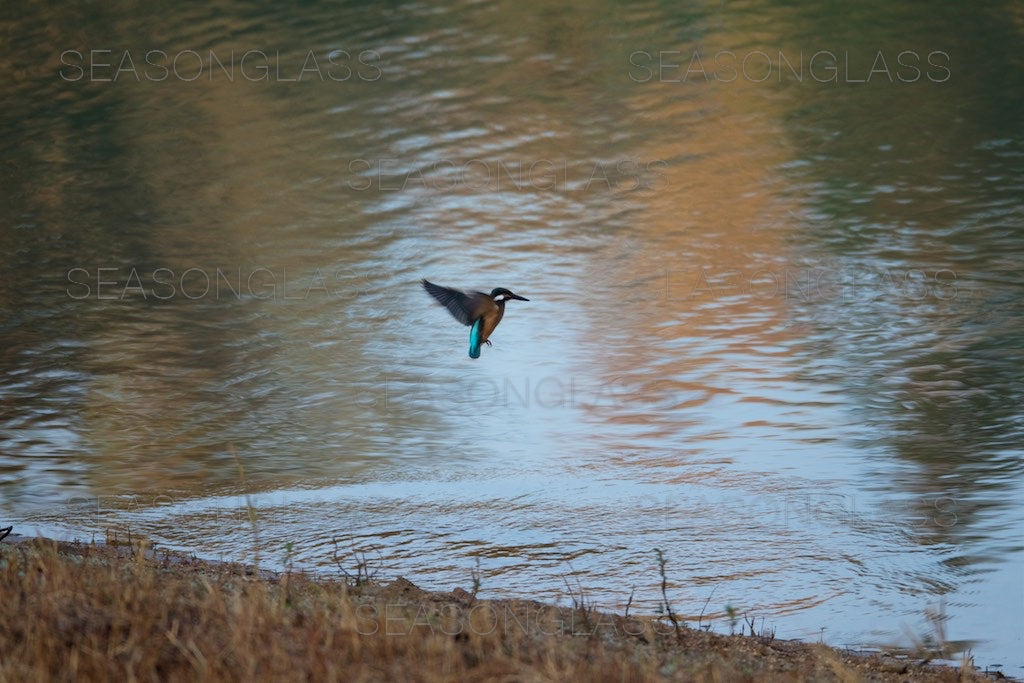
(502, 294)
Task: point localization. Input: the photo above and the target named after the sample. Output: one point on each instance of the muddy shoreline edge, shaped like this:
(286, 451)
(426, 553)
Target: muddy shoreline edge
(389, 629)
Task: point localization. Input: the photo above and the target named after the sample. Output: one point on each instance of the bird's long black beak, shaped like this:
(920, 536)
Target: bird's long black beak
(516, 296)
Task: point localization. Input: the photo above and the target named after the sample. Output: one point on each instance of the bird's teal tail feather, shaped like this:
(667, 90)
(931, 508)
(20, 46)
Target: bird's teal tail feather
(474, 339)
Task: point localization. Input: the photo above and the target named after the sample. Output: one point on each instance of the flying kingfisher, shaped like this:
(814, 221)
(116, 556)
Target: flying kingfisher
(481, 311)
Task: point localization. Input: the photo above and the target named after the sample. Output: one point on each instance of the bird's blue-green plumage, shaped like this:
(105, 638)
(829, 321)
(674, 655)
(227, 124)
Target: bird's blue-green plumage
(474, 339)
(481, 312)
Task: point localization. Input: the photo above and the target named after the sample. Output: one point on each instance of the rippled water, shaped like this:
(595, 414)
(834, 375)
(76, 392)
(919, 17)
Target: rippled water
(775, 325)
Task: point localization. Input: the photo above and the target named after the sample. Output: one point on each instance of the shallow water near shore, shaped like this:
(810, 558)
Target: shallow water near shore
(775, 326)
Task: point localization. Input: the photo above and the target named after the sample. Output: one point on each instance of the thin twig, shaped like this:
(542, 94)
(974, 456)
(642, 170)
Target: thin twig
(250, 510)
(706, 603)
(664, 594)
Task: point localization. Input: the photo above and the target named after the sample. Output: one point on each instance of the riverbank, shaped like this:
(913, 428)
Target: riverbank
(73, 611)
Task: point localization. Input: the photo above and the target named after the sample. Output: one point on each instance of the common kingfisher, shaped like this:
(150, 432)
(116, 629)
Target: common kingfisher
(481, 311)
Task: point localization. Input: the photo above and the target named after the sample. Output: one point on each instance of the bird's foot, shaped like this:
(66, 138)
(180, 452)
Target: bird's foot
(488, 342)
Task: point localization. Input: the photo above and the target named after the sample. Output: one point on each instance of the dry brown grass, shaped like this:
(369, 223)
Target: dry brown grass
(83, 613)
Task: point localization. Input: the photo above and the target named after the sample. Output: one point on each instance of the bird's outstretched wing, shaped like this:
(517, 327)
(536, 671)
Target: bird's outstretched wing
(466, 308)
